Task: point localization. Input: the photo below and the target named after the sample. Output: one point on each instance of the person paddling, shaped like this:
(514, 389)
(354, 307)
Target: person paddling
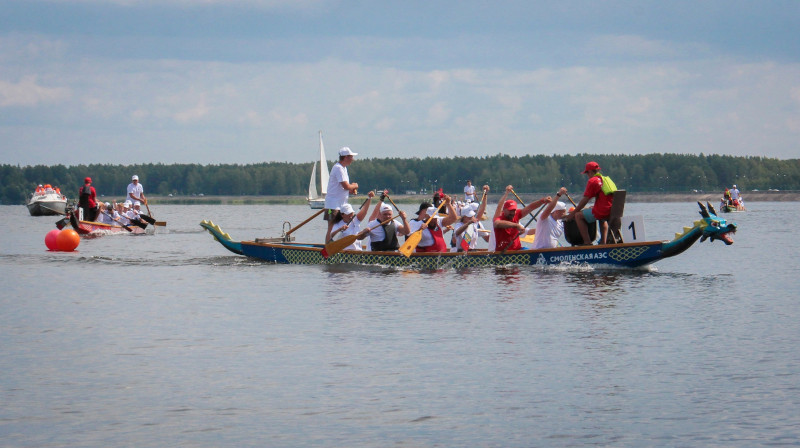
(433, 236)
(550, 226)
(468, 231)
(350, 223)
(506, 221)
(385, 237)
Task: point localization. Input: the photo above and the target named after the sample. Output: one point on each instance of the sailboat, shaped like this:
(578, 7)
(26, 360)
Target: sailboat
(315, 201)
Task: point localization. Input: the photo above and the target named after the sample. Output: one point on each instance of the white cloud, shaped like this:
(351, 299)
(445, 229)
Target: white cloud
(713, 106)
(265, 4)
(28, 93)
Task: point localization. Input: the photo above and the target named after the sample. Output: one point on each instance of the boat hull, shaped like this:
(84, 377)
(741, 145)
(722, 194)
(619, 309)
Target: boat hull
(623, 255)
(317, 203)
(92, 228)
(732, 209)
(47, 207)
(626, 255)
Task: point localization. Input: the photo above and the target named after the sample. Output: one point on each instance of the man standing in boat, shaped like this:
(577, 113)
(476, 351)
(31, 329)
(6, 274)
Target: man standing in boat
(135, 191)
(601, 189)
(339, 187)
(87, 200)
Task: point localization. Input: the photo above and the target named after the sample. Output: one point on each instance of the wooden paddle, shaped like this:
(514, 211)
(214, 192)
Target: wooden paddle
(303, 223)
(395, 205)
(570, 200)
(120, 222)
(334, 247)
(533, 218)
(138, 223)
(149, 218)
(413, 240)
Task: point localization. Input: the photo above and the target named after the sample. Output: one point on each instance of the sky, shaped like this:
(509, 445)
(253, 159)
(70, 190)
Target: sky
(251, 81)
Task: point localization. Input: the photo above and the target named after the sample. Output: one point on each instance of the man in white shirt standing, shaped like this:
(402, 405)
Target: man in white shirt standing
(469, 192)
(135, 191)
(339, 187)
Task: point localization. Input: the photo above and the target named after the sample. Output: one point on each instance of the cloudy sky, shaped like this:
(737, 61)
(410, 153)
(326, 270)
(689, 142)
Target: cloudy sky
(247, 81)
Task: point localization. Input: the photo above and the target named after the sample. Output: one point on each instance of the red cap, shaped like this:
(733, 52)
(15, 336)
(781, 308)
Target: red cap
(88, 180)
(510, 205)
(591, 166)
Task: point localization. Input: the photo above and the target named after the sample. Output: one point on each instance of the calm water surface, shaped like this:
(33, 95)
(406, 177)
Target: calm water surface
(170, 340)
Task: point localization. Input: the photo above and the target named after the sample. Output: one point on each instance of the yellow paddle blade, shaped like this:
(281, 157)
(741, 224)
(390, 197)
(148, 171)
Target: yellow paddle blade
(411, 243)
(527, 239)
(334, 247)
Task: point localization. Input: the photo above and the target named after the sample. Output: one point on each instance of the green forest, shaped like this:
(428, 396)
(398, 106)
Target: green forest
(535, 173)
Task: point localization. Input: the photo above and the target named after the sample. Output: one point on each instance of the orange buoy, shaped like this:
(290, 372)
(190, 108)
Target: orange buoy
(50, 239)
(68, 240)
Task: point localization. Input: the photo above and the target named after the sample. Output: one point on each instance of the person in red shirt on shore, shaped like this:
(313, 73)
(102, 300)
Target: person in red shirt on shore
(87, 200)
(506, 221)
(601, 209)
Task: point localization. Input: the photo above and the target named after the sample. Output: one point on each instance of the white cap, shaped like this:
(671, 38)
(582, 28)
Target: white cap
(345, 151)
(127, 204)
(346, 209)
(431, 211)
(137, 204)
(108, 204)
(135, 177)
(734, 185)
(474, 205)
(560, 206)
(385, 207)
(469, 213)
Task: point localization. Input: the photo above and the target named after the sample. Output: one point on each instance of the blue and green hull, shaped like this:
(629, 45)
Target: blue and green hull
(631, 255)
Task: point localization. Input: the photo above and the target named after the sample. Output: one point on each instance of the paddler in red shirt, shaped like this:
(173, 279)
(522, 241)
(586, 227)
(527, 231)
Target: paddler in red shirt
(506, 221)
(601, 209)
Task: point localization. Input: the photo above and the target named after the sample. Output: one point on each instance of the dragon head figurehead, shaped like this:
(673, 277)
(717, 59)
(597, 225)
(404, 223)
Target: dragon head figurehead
(713, 226)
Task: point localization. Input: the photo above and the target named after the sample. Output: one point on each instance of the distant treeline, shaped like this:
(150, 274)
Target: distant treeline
(535, 173)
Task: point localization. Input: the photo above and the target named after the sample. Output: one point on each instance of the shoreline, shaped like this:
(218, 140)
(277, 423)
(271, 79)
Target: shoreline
(713, 198)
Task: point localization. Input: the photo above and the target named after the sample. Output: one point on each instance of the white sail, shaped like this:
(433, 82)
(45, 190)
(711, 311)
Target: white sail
(312, 185)
(323, 167)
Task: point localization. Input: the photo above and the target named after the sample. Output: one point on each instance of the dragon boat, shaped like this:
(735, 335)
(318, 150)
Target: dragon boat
(93, 228)
(628, 255)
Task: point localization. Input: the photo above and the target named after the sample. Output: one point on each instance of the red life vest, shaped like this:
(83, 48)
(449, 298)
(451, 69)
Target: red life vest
(438, 240)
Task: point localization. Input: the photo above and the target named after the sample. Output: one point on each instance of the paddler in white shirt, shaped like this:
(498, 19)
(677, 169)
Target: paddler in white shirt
(385, 238)
(350, 223)
(469, 229)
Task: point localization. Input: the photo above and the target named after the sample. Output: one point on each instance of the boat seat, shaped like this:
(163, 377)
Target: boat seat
(615, 218)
